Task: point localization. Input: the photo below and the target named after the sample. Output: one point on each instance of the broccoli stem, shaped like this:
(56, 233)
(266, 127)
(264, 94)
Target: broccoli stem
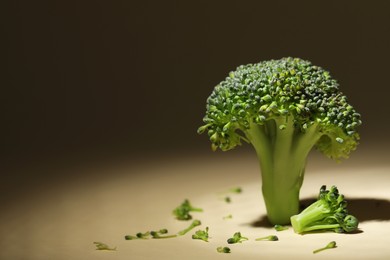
(313, 213)
(282, 151)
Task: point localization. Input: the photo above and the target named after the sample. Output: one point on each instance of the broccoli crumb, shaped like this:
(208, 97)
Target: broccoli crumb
(330, 245)
(224, 249)
(103, 246)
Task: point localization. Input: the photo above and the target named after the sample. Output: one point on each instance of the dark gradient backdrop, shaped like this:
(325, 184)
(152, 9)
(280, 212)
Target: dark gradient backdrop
(132, 77)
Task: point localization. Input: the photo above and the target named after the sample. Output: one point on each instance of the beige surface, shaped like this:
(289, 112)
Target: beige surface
(106, 203)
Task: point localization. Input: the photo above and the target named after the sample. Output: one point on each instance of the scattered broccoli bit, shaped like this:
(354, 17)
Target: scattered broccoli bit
(102, 246)
(284, 108)
(227, 199)
(159, 234)
(230, 216)
(130, 237)
(236, 190)
(224, 249)
(194, 224)
(328, 213)
(150, 234)
(145, 235)
(237, 238)
(268, 238)
(202, 235)
(182, 212)
(280, 227)
(328, 246)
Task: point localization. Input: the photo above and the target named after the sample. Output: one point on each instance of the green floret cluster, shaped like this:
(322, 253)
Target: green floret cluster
(328, 213)
(258, 93)
(283, 108)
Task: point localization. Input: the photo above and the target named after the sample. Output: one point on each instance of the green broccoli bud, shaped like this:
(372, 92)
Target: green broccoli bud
(202, 235)
(225, 250)
(103, 246)
(130, 237)
(328, 213)
(237, 238)
(330, 245)
(148, 234)
(194, 224)
(141, 235)
(158, 234)
(182, 212)
(230, 216)
(284, 108)
(280, 227)
(236, 190)
(268, 238)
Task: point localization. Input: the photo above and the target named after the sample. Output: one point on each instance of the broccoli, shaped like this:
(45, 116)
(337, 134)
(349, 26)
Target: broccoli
(224, 249)
(194, 224)
(330, 245)
(268, 238)
(152, 234)
(161, 234)
(280, 227)
(237, 238)
(230, 216)
(202, 235)
(103, 246)
(283, 108)
(182, 212)
(328, 213)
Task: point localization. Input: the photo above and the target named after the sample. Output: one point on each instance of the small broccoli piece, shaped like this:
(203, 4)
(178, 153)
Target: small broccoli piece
(158, 234)
(222, 249)
(284, 108)
(237, 238)
(141, 235)
(130, 237)
(268, 238)
(102, 246)
(230, 216)
(280, 227)
(227, 199)
(202, 235)
(194, 224)
(182, 212)
(328, 213)
(236, 190)
(328, 246)
(148, 234)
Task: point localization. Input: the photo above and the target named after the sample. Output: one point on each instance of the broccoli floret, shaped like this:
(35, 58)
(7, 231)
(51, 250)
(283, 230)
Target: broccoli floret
(202, 235)
(237, 238)
(224, 249)
(182, 212)
(103, 246)
(268, 238)
(328, 213)
(280, 227)
(330, 245)
(194, 224)
(283, 108)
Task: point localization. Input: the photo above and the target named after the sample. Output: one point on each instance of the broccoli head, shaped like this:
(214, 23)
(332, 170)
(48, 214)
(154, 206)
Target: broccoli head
(328, 213)
(283, 108)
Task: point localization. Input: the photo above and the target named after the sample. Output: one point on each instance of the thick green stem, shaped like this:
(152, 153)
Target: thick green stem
(282, 152)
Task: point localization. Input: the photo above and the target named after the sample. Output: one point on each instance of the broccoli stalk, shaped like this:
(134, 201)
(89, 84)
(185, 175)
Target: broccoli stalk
(194, 224)
(282, 152)
(328, 213)
(284, 108)
(330, 245)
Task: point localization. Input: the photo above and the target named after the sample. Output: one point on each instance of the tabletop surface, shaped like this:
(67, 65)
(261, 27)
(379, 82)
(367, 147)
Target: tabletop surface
(63, 218)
